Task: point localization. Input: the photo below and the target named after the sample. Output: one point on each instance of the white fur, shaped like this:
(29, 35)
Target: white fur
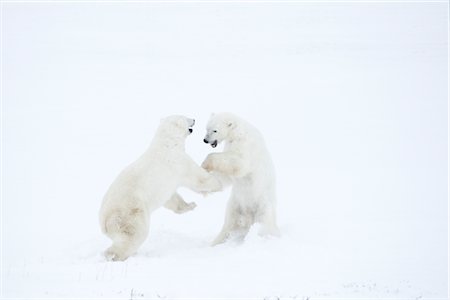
(149, 183)
(247, 165)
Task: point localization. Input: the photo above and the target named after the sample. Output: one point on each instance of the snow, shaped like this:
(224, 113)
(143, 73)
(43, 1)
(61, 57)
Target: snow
(351, 99)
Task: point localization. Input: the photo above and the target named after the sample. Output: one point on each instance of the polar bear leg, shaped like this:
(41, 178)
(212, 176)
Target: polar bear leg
(127, 233)
(237, 224)
(226, 228)
(269, 223)
(222, 236)
(178, 205)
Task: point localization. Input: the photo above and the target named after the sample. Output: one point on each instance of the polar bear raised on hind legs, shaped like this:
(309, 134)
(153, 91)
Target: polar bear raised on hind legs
(149, 183)
(245, 163)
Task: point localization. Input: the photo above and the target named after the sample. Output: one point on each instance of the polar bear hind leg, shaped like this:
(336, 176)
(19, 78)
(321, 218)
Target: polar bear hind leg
(127, 234)
(237, 224)
(268, 223)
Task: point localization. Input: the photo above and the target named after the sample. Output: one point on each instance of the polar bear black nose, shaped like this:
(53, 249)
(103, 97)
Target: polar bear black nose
(190, 130)
(205, 141)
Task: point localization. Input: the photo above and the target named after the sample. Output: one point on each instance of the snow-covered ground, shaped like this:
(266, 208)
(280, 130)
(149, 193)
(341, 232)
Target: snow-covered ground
(352, 101)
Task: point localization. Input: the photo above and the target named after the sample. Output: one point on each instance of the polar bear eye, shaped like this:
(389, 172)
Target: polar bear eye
(214, 131)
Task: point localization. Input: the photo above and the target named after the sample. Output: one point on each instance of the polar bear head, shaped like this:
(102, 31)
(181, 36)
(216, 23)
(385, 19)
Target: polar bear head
(220, 127)
(176, 126)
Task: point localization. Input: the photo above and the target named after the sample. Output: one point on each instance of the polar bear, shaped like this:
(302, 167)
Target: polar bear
(247, 165)
(149, 183)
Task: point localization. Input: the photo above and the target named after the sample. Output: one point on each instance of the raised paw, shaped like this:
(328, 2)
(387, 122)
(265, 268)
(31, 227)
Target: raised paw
(185, 207)
(190, 206)
(208, 163)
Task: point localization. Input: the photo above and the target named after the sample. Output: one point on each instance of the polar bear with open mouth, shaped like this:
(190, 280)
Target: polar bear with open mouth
(247, 165)
(149, 183)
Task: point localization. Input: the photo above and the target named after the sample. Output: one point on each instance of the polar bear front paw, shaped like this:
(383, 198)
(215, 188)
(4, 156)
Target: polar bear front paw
(183, 207)
(208, 163)
(189, 206)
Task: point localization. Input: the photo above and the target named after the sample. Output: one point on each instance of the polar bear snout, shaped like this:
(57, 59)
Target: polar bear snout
(213, 143)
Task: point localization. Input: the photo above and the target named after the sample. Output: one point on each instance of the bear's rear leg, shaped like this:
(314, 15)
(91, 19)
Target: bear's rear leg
(237, 224)
(127, 237)
(269, 223)
(122, 249)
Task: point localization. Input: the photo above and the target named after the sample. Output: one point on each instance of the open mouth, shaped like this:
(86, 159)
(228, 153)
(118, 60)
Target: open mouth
(214, 144)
